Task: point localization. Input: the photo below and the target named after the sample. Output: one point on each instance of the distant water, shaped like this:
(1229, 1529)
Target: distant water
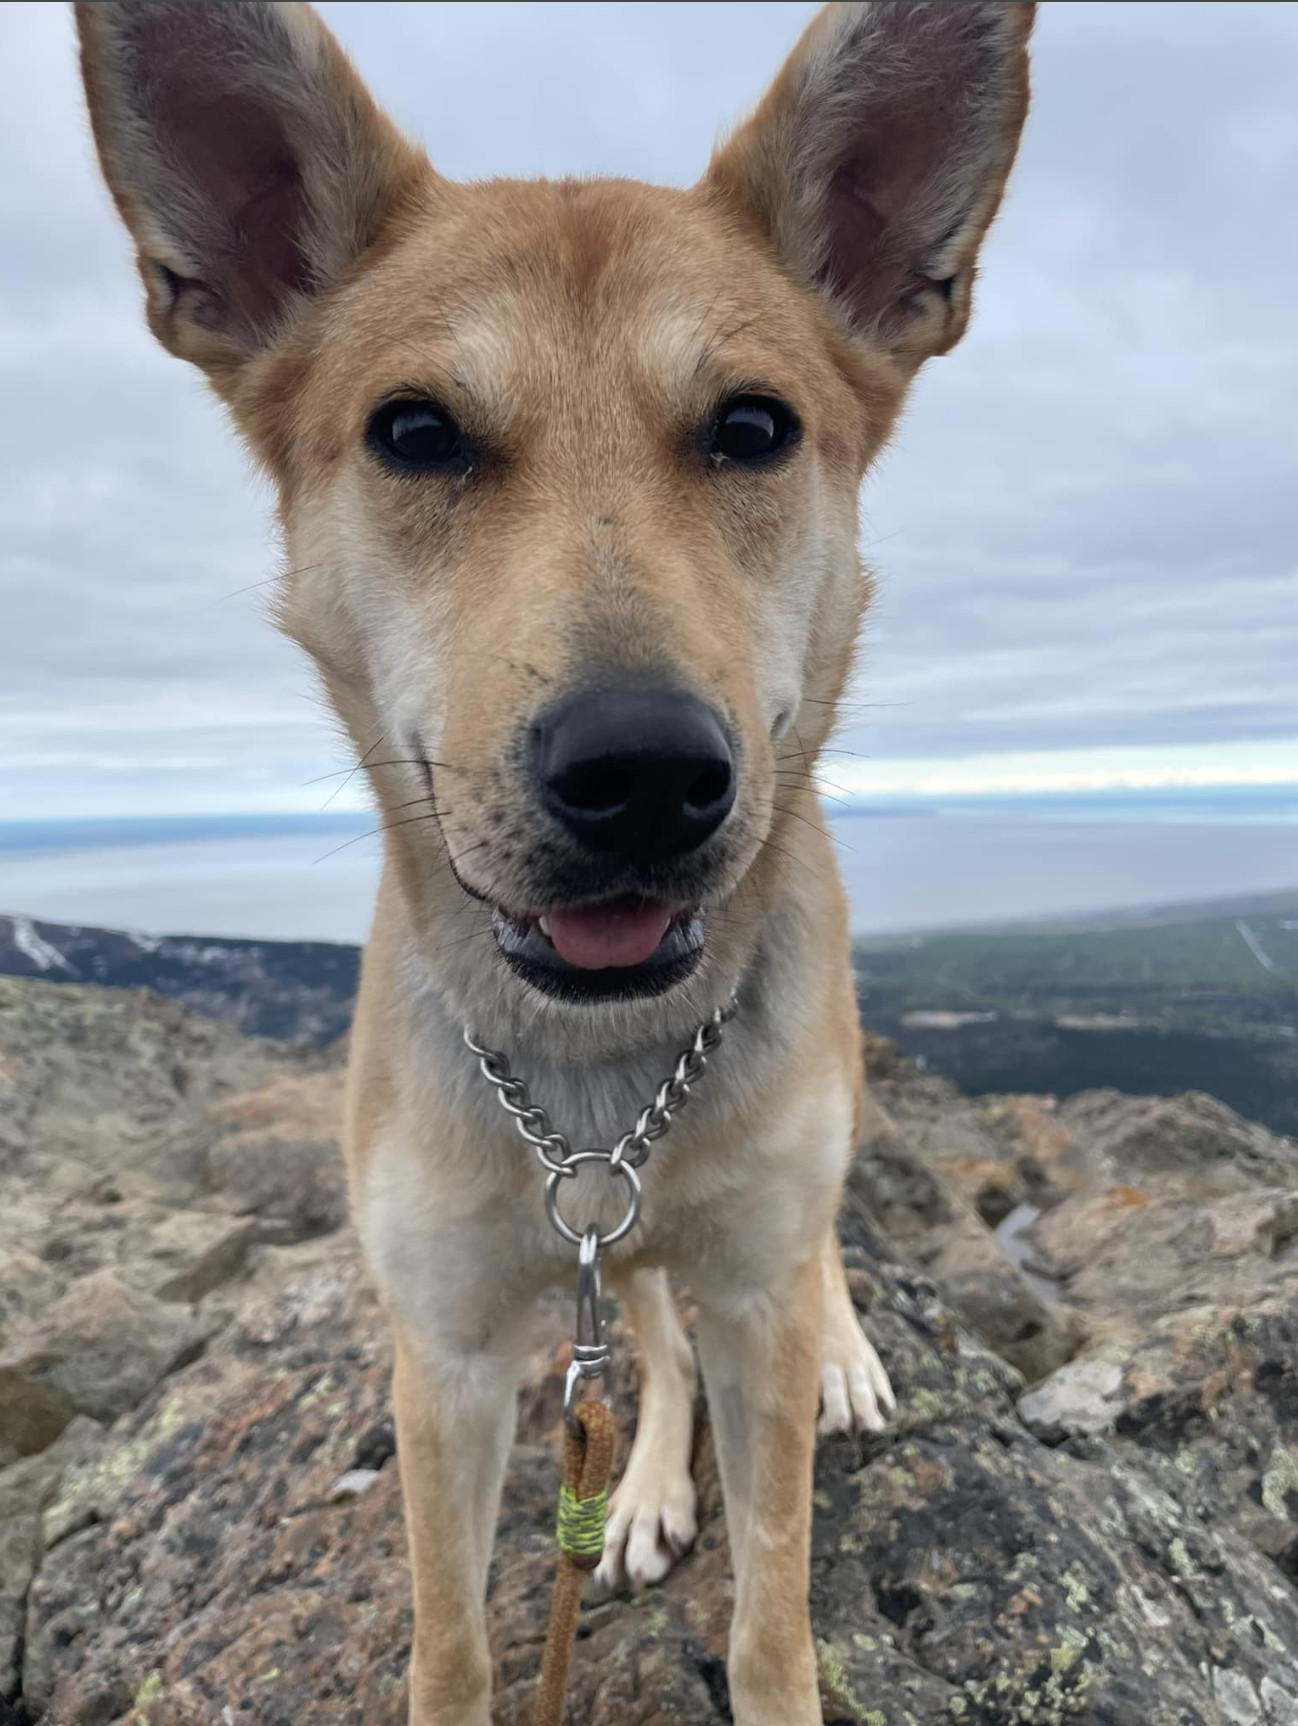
(912, 872)
(270, 877)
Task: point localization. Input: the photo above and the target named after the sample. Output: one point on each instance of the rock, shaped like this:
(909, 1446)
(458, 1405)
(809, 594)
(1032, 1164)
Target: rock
(25, 1489)
(997, 1152)
(27, 1284)
(190, 1253)
(99, 1073)
(962, 1570)
(1082, 1397)
(938, 1232)
(1126, 1256)
(352, 1484)
(274, 1152)
(1117, 1543)
(1192, 1144)
(98, 1350)
(32, 1413)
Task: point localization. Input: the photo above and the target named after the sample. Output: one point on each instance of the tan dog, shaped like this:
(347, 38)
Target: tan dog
(567, 477)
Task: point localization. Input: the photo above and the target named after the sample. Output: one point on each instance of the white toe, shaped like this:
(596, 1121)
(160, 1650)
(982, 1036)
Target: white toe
(835, 1407)
(680, 1523)
(647, 1558)
(855, 1395)
(865, 1402)
(650, 1525)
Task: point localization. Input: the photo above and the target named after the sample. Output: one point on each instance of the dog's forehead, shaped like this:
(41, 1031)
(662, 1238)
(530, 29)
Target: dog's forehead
(517, 286)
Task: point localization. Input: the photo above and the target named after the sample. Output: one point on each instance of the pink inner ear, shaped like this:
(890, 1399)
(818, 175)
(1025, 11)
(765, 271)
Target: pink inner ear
(884, 209)
(907, 162)
(241, 207)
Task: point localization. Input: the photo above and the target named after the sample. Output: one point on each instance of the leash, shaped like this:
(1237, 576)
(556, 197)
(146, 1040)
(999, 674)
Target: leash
(590, 1432)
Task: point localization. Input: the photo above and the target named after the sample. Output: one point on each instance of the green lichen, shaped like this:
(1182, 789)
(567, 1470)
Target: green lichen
(149, 1691)
(837, 1685)
(656, 1622)
(1269, 1638)
(923, 1405)
(1182, 1563)
(1076, 1592)
(1280, 1479)
(1013, 1697)
(1062, 1659)
(102, 1482)
(317, 1392)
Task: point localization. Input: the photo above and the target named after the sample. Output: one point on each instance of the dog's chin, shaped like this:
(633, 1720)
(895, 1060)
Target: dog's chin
(525, 944)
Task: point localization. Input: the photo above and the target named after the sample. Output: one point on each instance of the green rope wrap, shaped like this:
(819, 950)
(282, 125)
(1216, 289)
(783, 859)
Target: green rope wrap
(579, 1527)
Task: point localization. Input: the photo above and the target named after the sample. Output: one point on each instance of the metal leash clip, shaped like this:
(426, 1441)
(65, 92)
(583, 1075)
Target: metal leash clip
(590, 1350)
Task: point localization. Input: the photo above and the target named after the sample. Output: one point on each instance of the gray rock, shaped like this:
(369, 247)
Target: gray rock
(190, 1253)
(925, 1219)
(98, 1350)
(1192, 1145)
(274, 1153)
(1085, 1396)
(25, 1489)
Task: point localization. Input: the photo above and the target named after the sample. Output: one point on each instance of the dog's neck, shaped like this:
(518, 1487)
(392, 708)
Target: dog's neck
(591, 1097)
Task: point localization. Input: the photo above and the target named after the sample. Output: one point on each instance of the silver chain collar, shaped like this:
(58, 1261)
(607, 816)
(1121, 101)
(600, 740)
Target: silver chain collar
(590, 1355)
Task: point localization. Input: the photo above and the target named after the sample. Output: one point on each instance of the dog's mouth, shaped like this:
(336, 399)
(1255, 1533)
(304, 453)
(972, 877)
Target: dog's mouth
(602, 950)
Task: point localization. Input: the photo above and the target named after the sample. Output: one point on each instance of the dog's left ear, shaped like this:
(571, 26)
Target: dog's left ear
(877, 159)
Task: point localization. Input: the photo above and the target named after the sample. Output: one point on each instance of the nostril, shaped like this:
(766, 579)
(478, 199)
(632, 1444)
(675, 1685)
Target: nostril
(709, 787)
(598, 788)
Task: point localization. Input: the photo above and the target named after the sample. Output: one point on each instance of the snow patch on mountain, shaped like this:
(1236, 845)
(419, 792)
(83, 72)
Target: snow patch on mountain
(42, 953)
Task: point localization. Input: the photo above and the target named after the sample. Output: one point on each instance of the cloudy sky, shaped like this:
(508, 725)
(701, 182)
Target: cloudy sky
(1086, 528)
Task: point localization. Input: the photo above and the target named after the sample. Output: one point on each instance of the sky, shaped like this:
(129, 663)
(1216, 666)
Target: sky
(1086, 529)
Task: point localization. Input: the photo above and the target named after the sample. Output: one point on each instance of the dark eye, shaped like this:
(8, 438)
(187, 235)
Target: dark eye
(419, 435)
(750, 428)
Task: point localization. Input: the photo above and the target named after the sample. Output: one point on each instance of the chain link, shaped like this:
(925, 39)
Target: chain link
(553, 1149)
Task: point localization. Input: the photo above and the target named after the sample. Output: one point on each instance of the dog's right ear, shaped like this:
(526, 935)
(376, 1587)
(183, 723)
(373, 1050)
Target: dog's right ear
(245, 156)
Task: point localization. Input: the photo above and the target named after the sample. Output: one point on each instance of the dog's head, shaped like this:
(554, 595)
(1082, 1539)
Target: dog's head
(567, 471)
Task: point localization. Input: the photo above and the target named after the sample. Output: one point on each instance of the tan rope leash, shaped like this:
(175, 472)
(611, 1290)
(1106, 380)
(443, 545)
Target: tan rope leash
(589, 1443)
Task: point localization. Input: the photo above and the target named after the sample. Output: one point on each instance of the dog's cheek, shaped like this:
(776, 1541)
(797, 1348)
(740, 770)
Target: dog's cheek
(368, 622)
(806, 615)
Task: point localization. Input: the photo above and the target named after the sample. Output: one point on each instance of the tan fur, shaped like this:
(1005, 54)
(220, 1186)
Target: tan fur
(582, 332)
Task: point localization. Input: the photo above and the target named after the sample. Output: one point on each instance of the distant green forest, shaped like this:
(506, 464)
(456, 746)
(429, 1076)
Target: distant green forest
(1202, 997)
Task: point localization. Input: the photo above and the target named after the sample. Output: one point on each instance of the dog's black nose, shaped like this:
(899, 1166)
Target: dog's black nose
(642, 772)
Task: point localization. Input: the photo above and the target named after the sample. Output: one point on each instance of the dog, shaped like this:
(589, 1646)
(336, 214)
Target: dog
(567, 480)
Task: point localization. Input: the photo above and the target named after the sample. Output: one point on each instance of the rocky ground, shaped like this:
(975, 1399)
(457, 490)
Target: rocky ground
(1086, 1510)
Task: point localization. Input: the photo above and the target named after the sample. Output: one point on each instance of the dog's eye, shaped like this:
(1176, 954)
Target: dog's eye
(750, 428)
(418, 435)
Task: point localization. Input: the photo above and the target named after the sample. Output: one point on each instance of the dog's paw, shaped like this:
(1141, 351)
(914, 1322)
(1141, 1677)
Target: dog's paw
(651, 1521)
(855, 1395)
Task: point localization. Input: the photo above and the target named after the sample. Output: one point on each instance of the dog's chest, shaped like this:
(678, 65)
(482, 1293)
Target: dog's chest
(455, 1222)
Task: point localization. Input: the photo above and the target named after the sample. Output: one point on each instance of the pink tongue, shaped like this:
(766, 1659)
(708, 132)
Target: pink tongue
(593, 937)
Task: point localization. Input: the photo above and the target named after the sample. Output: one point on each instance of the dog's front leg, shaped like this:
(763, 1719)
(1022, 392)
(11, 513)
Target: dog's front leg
(760, 1358)
(455, 1415)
